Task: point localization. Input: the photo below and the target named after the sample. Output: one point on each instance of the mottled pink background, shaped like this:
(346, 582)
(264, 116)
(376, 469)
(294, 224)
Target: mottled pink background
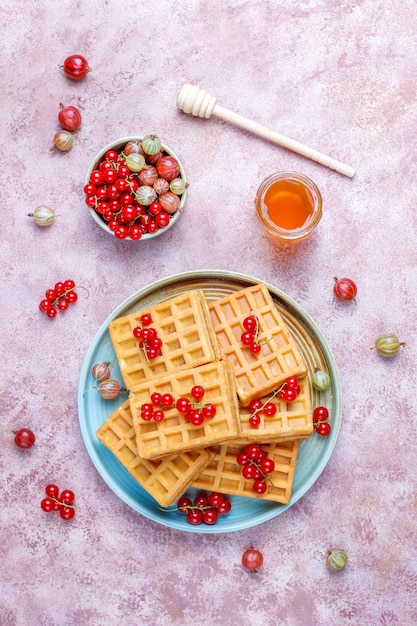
(338, 75)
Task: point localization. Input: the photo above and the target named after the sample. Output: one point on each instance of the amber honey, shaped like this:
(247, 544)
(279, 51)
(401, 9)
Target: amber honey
(289, 206)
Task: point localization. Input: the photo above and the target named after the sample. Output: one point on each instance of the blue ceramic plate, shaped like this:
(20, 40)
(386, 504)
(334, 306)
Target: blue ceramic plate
(246, 512)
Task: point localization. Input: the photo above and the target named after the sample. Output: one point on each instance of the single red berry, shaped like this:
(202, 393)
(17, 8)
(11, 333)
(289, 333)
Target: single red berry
(254, 420)
(269, 409)
(320, 414)
(200, 500)
(255, 405)
(146, 319)
(292, 382)
(182, 405)
(250, 323)
(210, 516)
(208, 411)
(252, 560)
(67, 512)
(242, 459)
(250, 472)
(194, 517)
(344, 289)
(158, 415)
(323, 429)
(255, 347)
(253, 451)
(67, 496)
(197, 392)
(156, 397)
(24, 438)
(215, 499)
(52, 491)
(47, 505)
(184, 504)
(247, 338)
(267, 465)
(260, 487)
(224, 507)
(167, 399)
(75, 66)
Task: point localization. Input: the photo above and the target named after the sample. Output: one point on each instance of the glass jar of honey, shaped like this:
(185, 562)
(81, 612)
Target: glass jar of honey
(289, 206)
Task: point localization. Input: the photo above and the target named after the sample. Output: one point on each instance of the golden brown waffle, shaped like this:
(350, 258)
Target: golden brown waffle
(292, 419)
(188, 340)
(165, 480)
(175, 433)
(223, 473)
(256, 374)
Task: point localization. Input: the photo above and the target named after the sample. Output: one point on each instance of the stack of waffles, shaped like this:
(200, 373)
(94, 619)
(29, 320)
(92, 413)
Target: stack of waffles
(201, 345)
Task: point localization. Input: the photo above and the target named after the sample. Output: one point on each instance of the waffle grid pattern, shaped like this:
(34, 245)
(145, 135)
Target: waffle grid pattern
(223, 474)
(293, 419)
(174, 433)
(166, 479)
(256, 375)
(183, 323)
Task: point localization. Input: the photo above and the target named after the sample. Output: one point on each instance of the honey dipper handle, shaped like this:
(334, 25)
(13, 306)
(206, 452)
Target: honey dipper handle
(281, 140)
(199, 103)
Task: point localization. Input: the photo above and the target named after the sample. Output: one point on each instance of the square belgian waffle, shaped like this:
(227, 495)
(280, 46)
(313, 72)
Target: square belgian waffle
(291, 420)
(256, 374)
(224, 474)
(188, 340)
(166, 479)
(174, 433)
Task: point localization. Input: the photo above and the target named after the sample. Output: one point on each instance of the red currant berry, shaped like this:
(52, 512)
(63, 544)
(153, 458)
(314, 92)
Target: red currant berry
(121, 231)
(247, 338)
(44, 305)
(156, 397)
(224, 507)
(255, 405)
(146, 319)
(96, 178)
(208, 411)
(194, 517)
(267, 465)
(215, 499)
(255, 420)
(71, 297)
(292, 382)
(249, 472)
(200, 500)
(167, 399)
(260, 487)
(47, 505)
(269, 409)
(135, 232)
(50, 294)
(51, 312)
(210, 516)
(155, 208)
(62, 305)
(242, 459)
(253, 451)
(320, 414)
(158, 415)
(69, 284)
(197, 392)
(255, 347)
(67, 496)
(195, 417)
(182, 405)
(52, 491)
(162, 219)
(67, 512)
(250, 323)
(252, 560)
(323, 429)
(290, 395)
(24, 438)
(184, 504)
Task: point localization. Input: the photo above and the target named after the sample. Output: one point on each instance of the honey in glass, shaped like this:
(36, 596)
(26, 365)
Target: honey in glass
(289, 205)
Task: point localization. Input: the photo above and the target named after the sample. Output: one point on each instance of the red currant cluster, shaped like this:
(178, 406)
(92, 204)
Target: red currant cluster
(194, 409)
(131, 191)
(320, 421)
(148, 338)
(163, 400)
(250, 336)
(204, 508)
(256, 466)
(60, 297)
(288, 391)
(59, 502)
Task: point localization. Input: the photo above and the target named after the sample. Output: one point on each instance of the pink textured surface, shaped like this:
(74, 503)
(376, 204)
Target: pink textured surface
(337, 75)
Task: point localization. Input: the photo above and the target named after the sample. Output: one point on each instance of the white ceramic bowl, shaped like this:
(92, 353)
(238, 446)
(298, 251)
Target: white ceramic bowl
(118, 145)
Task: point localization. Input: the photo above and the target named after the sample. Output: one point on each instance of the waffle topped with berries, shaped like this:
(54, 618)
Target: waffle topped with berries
(180, 326)
(258, 370)
(276, 416)
(224, 474)
(176, 429)
(166, 479)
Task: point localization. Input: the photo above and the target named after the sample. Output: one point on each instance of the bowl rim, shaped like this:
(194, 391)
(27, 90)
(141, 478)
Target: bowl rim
(117, 144)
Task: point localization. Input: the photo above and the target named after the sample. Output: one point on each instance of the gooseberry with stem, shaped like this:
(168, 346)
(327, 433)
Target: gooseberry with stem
(75, 67)
(344, 289)
(388, 344)
(69, 117)
(63, 141)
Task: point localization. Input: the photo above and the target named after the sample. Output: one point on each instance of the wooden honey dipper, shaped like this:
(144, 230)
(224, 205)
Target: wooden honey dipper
(199, 103)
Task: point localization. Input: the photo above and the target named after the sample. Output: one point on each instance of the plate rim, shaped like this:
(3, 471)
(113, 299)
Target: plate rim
(220, 275)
